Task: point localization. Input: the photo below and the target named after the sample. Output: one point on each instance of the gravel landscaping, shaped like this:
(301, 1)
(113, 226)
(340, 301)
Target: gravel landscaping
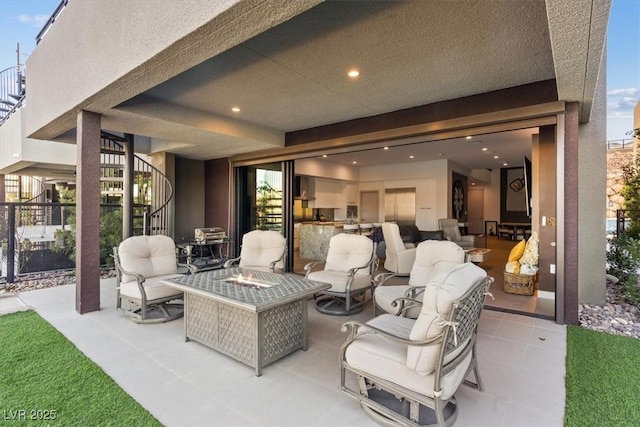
(47, 279)
(616, 317)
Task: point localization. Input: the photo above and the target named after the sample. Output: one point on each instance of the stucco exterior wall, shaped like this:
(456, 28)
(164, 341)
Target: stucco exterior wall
(592, 176)
(17, 151)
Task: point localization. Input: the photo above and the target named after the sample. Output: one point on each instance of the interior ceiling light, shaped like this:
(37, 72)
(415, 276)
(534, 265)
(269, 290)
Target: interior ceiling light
(324, 155)
(354, 162)
(495, 157)
(353, 73)
(467, 137)
(386, 148)
(484, 148)
(411, 157)
(235, 109)
(505, 164)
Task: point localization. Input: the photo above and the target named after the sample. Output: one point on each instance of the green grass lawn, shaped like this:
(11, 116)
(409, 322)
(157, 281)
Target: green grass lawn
(603, 379)
(46, 380)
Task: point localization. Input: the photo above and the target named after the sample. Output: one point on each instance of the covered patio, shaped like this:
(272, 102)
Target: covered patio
(522, 362)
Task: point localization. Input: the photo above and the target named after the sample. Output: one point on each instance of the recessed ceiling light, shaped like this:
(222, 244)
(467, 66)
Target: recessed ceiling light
(411, 157)
(484, 148)
(353, 73)
(324, 155)
(473, 183)
(386, 148)
(496, 157)
(505, 164)
(235, 109)
(468, 137)
(354, 162)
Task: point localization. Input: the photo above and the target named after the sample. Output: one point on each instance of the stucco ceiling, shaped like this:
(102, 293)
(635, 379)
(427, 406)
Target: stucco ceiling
(293, 76)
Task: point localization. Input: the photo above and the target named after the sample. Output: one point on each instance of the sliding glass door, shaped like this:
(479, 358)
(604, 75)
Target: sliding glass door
(264, 199)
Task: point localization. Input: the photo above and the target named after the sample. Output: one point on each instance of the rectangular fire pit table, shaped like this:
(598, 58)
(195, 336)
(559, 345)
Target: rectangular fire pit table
(253, 316)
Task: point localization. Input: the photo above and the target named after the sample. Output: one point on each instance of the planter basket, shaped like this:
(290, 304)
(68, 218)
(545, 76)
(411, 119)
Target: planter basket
(519, 284)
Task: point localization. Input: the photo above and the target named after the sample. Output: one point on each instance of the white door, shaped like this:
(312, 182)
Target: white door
(475, 210)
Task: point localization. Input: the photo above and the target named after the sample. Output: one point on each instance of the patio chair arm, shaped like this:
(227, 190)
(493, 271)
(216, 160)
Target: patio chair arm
(381, 278)
(404, 304)
(355, 330)
(192, 268)
(309, 266)
(414, 291)
(229, 263)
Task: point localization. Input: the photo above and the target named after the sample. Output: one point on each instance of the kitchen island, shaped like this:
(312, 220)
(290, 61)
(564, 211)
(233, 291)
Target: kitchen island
(315, 236)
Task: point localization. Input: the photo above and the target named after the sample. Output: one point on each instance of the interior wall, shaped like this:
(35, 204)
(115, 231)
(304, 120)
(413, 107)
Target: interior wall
(492, 197)
(429, 178)
(189, 198)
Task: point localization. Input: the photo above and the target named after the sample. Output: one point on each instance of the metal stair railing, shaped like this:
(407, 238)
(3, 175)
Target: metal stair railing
(153, 189)
(12, 91)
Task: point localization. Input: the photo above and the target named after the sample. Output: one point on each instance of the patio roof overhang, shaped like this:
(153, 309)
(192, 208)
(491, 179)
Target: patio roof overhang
(289, 73)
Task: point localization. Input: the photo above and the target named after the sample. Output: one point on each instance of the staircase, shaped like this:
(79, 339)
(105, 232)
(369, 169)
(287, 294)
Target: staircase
(152, 191)
(12, 91)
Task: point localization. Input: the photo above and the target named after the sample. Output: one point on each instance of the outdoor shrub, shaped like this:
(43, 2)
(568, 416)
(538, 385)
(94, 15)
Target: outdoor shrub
(623, 262)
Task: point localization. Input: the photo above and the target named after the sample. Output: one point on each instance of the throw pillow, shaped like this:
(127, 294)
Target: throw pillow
(517, 251)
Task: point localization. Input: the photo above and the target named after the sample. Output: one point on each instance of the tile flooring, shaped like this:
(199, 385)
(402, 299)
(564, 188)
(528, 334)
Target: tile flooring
(522, 363)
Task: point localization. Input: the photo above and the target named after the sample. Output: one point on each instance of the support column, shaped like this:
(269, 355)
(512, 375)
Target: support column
(88, 213)
(127, 200)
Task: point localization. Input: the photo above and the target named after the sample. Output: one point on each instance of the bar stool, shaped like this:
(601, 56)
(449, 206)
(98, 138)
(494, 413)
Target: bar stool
(366, 229)
(351, 228)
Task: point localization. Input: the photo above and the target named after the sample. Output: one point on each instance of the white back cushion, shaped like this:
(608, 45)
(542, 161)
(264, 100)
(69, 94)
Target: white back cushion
(347, 251)
(261, 247)
(447, 284)
(392, 238)
(432, 252)
(149, 256)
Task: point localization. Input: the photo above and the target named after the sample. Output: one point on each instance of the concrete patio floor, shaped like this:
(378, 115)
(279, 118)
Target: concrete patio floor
(522, 363)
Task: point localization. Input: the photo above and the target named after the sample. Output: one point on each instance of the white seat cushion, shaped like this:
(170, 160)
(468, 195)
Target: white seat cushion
(338, 280)
(262, 247)
(447, 285)
(432, 252)
(148, 256)
(346, 251)
(388, 359)
(429, 254)
(152, 287)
